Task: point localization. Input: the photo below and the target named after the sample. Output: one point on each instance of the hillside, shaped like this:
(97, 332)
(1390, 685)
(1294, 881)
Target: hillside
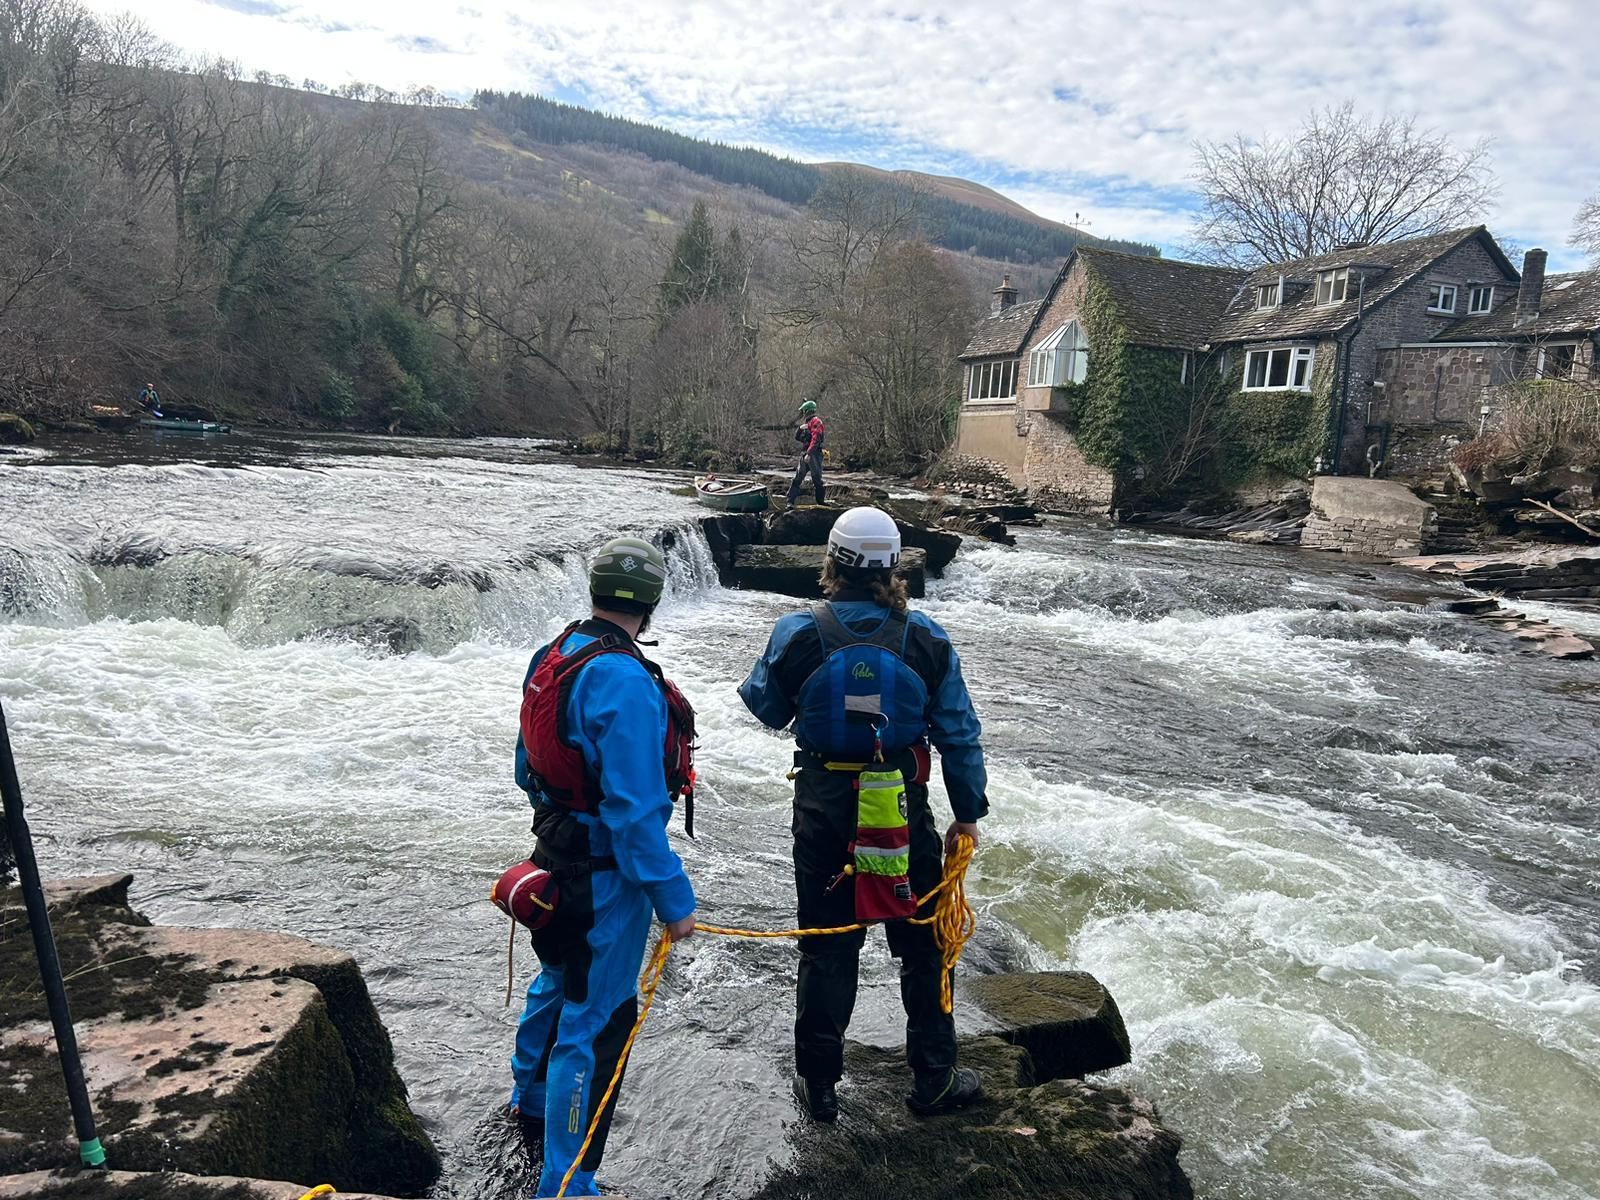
(957, 214)
(961, 191)
(281, 255)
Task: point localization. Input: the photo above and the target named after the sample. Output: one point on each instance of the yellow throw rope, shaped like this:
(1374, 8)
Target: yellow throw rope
(953, 924)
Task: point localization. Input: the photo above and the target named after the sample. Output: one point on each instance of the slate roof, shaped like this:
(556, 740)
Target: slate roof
(1386, 267)
(1569, 303)
(1003, 333)
(1165, 302)
(1169, 303)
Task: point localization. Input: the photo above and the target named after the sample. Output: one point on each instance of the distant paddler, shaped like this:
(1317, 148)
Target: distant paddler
(809, 435)
(150, 399)
(604, 750)
(865, 684)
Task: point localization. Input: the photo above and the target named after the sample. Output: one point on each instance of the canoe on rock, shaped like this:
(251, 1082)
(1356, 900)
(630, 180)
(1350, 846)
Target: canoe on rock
(730, 495)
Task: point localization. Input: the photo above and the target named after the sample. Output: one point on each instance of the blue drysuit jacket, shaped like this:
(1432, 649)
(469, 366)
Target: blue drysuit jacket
(617, 717)
(795, 650)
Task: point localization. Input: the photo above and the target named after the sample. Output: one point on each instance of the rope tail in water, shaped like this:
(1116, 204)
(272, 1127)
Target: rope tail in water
(953, 924)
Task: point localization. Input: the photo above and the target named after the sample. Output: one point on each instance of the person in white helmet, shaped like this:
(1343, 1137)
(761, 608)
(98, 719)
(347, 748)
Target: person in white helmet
(865, 685)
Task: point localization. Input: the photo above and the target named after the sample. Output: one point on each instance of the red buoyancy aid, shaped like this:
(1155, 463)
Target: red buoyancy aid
(555, 762)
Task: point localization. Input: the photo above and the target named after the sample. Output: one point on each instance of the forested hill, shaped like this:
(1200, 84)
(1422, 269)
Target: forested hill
(274, 254)
(986, 231)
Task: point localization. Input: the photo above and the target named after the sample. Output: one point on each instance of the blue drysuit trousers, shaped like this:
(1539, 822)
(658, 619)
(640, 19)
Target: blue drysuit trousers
(581, 1007)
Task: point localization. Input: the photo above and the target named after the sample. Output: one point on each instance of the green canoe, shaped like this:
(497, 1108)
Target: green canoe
(182, 425)
(730, 495)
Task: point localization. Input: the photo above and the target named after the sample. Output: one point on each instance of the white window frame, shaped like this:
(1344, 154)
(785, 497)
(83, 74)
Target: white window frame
(1572, 367)
(1331, 282)
(1269, 295)
(1486, 290)
(993, 381)
(1299, 362)
(1441, 289)
(1060, 359)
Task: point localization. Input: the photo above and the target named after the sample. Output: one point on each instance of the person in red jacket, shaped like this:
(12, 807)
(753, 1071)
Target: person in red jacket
(809, 435)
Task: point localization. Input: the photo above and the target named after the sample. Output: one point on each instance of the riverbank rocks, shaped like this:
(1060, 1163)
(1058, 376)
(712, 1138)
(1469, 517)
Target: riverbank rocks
(14, 431)
(1061, 1138)
(214, 1051)
(1066, 1020)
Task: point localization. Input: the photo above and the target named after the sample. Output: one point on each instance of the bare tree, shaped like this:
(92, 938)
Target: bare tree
(1344, 178)
(1586, 228)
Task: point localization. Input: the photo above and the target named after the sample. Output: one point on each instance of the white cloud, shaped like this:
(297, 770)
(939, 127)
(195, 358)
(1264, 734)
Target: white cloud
(1101, 96)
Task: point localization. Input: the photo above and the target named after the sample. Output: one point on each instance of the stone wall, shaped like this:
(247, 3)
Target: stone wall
(1404, 318)
(1376, 517)
(1422, 452)
(1057, 474)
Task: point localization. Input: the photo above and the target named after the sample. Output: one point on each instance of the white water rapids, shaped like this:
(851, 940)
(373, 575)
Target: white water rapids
(1334, 855)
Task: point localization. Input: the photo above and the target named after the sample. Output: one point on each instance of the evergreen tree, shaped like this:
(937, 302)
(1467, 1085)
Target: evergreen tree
(694, 272)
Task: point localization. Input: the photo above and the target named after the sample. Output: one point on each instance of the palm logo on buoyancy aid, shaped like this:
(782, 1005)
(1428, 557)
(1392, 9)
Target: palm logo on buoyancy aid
(862, 692)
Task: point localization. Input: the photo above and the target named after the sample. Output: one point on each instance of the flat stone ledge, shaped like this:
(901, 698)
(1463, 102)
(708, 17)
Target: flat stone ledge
(177, 1186)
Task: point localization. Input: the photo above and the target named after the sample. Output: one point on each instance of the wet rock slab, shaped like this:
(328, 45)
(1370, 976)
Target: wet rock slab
(795, 570)
(215, 1051)
(136, 1185)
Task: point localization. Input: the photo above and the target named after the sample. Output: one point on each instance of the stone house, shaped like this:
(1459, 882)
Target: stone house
(1434, 395)
(1294, 348)
(1023, 361)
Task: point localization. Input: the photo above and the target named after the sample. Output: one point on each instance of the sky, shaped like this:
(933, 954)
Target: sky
(1075, 108)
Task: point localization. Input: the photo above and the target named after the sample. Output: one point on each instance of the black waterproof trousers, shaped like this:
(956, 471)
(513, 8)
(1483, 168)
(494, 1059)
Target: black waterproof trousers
(808, 462)
(824, 827)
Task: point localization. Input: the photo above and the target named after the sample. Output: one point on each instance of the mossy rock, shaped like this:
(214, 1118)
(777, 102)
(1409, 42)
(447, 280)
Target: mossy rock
(14, 431)
(163, 1185)
(1066, 1020)
(1064, 1139)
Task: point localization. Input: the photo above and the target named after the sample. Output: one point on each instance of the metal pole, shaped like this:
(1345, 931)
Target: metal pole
(44, 945)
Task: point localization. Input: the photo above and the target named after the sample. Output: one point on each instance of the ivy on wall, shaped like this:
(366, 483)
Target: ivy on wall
(1279, 432)
(1132, 408)
(1137, 413)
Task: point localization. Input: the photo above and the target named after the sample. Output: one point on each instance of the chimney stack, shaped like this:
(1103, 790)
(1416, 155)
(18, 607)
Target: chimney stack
(1531, 292)
(1005, 295)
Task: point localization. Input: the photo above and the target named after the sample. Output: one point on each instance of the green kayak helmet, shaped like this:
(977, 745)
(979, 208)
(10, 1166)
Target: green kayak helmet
(808, 408)
(628, 568)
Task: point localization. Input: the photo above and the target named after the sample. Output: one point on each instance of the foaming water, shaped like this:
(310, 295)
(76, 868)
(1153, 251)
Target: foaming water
(1334, 855)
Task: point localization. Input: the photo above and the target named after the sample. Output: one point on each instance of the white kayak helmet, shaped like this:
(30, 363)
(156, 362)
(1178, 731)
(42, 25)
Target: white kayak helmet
(866, 538)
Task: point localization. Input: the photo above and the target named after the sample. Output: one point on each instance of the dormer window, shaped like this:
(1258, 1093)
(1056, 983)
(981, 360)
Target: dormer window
(1060, 359)
(1332, 285)
(1480, 299)
(1269, 294)
(1441, 297)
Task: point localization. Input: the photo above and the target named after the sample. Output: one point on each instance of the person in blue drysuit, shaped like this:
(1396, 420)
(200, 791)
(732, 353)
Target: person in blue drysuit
(867, 608)
(614, 867)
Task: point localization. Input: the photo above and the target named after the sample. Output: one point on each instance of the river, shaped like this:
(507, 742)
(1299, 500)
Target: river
(1334, 854)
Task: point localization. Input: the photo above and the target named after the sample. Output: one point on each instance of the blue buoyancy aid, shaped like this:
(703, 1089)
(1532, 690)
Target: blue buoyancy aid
(863, 699)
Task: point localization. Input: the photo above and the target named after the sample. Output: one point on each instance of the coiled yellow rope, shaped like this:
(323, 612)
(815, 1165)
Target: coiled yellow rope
(953, 924)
